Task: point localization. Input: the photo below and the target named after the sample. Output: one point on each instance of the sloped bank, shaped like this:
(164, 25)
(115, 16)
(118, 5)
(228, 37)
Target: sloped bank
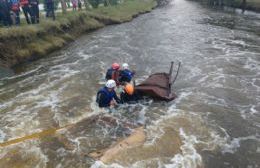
(253, 5)
(25, 43)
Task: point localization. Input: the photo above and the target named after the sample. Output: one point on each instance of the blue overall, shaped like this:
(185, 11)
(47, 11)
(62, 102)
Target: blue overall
(126, 75)
(109, 73)
(104, 97)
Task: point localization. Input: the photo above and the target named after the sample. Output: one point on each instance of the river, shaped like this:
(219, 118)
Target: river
(216, 115)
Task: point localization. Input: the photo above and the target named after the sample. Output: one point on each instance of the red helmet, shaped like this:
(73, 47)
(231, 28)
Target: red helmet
(115, 66)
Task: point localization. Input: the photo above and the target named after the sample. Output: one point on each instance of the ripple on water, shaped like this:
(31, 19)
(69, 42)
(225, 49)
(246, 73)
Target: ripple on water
(217, 109)
(26, 155)
(189, 156)
(2, 136)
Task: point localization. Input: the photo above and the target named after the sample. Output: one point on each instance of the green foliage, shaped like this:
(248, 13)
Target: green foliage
(110, 2)
(250, 4)
(94, 3)
(254, 4)
(234, 3)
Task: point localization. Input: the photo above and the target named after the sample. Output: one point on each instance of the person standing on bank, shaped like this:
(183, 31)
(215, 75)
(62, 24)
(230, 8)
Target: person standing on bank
(74, 4)
(50, 8)
(34, 7)
(79, 5)
(106, 96)
(26, 10)
(5, 13)
(15, 11)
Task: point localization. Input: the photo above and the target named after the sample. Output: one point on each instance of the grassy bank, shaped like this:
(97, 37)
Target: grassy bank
(19, 44)
(253, 5)
(250, 4)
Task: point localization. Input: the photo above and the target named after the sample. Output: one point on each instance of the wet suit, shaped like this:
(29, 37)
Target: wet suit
(125, 75)
(104, 97)
(113, 74)
(131, 99)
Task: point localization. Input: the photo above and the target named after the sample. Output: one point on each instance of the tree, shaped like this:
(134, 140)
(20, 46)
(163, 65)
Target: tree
(63, 6)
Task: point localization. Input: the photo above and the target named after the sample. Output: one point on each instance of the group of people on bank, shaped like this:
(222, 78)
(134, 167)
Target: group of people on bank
(116, 78)
(10, 11)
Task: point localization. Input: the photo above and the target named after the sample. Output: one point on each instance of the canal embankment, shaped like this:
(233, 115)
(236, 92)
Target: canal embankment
(253, 5)
(30, 42)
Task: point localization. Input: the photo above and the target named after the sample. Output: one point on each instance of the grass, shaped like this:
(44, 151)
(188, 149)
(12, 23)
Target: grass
(19, 43)
(250, 4)
(122, 12)
(254, 1)
(125, 11)
(254, 4)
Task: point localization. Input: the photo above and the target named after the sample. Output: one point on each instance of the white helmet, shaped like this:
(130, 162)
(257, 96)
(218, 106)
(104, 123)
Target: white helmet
(125, 65)
(111, 84)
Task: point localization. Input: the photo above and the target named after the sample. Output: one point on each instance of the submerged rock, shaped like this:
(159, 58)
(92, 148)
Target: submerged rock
(137, 138)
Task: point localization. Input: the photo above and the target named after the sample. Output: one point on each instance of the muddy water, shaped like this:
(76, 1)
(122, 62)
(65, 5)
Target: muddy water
(214, 122)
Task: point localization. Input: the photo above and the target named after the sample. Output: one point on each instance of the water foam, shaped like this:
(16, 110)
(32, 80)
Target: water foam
(99, 164)
(189, 158)
(84, 56)
(23, 153)
(2, 136)
(23, 75)
(37, 152)
(26, 106)
(234, 144)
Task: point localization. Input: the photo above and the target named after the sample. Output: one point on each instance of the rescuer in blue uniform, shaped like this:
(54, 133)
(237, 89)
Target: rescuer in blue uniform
(106, 96)
(113, 73)
(125, 75)
(129, 95)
